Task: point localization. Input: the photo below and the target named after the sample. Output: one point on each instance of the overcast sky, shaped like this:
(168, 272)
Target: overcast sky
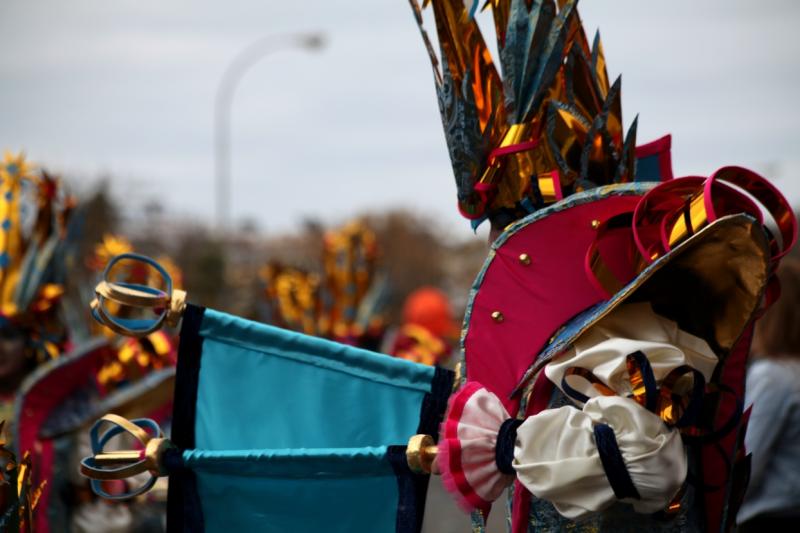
(126, 88)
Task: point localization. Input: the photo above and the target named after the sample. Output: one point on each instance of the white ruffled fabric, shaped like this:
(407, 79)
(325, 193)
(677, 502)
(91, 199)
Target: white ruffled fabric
(478, 428)
(603, 350)
(467, 448)
(556, 458)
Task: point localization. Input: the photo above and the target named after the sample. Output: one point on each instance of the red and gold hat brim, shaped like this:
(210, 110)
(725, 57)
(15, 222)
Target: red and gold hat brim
(553, 274)
(712, 285)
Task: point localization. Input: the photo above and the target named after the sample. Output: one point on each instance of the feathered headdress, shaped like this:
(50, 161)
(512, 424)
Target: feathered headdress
(293, 296)
(34, 213)
(343, 302)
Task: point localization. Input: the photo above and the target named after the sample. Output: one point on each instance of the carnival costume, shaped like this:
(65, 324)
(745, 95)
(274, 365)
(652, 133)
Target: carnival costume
(427, 329)
(34, 215)
(66, 382)
(607, 334)
(603, 348)
(343, 301)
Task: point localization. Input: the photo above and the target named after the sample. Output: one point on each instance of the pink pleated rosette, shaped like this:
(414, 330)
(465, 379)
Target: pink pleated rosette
(467, 457)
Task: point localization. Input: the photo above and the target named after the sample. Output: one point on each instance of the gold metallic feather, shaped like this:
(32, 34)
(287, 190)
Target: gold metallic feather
(552, 114)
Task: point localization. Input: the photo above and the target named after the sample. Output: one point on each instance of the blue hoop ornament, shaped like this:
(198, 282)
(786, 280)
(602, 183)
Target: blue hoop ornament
(119, 465)
(168, 304)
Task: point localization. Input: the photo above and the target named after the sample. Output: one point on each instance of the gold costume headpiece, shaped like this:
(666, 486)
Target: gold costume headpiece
(34, 213)
(550, 126)
(343, 302)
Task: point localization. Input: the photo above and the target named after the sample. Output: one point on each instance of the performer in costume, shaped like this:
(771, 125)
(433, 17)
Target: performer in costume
(344, 302)
(607, 334)
(604, 343)
(772, 502)
(135, 378)
(49, 387)
(35, 237)
(31, 276)
(428, 330)
(31, 273)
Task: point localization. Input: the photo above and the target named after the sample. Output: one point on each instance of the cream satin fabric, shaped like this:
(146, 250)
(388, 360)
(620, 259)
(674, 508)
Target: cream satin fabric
(555, 456)
(629, 328)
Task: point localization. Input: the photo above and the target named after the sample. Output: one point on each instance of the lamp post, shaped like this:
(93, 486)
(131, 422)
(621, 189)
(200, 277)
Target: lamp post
(223, 102)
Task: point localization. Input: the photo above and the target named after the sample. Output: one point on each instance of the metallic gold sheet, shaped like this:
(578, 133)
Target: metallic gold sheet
(554, 88)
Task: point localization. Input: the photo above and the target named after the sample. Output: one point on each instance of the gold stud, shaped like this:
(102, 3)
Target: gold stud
(497, 316)
(525, 259)
(595, 224)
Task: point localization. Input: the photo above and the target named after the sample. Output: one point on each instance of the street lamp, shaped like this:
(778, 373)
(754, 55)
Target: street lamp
(223, 102)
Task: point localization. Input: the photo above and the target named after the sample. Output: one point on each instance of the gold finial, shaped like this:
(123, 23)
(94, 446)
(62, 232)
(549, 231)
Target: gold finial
(105, 465)
(525, 259)
(421, 454)
(595, 224)
(168, 303)
(497, 316)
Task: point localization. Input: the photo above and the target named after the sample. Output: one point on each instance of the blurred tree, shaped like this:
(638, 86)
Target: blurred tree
(411, 254)
(202, 258)
(795, 252)
(97, 215)
(223, 274)
(248, 225)
(150, 240)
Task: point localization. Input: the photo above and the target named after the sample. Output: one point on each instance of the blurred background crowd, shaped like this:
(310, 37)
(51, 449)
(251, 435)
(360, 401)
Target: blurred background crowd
(387, 281)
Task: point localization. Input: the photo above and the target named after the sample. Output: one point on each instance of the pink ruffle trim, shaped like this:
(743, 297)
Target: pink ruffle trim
(450, 454)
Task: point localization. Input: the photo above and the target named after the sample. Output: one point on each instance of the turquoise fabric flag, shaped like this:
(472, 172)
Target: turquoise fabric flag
(272, 430)
(281, 432)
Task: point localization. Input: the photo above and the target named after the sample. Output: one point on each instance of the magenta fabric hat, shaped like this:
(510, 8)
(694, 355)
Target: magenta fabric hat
(697, 249)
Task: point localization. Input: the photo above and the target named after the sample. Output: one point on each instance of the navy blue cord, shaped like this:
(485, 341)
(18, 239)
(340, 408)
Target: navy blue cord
(613, 463)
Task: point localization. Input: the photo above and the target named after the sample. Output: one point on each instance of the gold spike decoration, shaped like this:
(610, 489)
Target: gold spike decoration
(14, 170)
(343, 300)
(18, 496)
(552, 113)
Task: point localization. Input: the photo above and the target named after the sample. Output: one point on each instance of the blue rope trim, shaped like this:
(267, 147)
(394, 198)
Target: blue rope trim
(613, 463)
(649, 378)
(504, 448)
